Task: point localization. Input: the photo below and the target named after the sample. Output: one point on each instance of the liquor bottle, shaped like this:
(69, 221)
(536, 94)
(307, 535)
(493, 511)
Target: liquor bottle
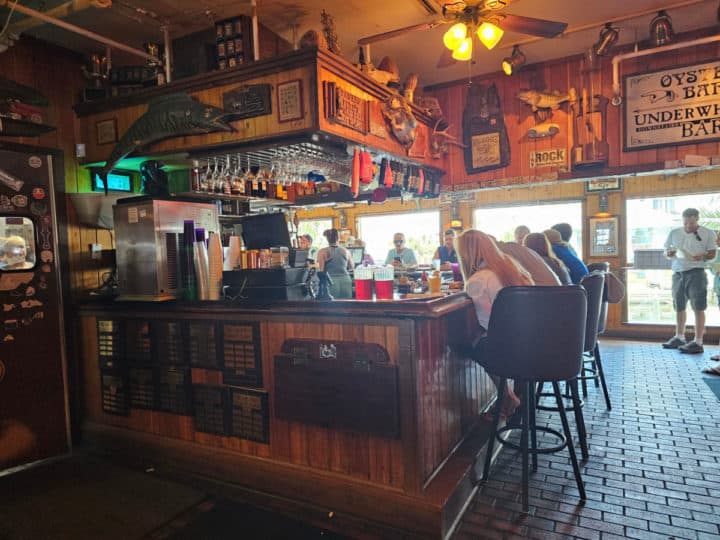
(195, 176)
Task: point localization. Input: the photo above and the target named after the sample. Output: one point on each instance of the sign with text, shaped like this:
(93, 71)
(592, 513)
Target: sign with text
(672, 107)
(553, 157)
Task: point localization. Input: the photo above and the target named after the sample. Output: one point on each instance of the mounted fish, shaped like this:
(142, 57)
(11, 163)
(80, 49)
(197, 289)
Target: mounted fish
(543, 104)
(403, 124)
(169, 116)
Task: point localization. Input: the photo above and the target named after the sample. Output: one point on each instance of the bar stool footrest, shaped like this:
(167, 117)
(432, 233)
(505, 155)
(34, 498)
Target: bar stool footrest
(562, 444)
(553, 408)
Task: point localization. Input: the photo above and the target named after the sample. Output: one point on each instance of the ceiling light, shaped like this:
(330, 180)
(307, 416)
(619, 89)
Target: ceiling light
(489, 34)
(661, 30)
(608, 37)
(464, 50)
(514, 62)
(455, 36)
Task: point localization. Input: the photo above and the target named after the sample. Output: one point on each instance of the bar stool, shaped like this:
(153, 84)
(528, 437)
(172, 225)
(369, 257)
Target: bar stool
(594, 371)
(534, 334)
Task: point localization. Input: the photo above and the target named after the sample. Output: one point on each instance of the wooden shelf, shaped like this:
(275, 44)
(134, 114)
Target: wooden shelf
(9, 127)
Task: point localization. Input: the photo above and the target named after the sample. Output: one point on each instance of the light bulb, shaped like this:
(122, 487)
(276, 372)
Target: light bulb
(489, 34)
(464, 50)
(454, 36)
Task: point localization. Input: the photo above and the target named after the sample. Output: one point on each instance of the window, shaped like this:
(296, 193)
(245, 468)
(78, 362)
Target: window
(500, 222)
(315, 228)
(649, 282)
(421, 229)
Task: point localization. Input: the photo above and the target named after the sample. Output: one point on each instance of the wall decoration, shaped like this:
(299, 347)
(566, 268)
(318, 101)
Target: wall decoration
(672, 106)
(403, 124)
(106, 131)
(248, 101)
(346, 109)
(543, 104)
(604, 236)
(590, 148)
(167, 116)
(606, 184)
(290, 101)
(552, 157)
(484, 133)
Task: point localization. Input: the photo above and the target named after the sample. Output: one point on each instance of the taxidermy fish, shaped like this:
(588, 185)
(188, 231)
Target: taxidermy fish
(174, 115)
(12, 91)
(545, 100)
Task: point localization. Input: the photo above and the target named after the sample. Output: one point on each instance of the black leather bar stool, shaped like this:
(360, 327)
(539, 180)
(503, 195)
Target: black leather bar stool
(535, 334)
(595, 369)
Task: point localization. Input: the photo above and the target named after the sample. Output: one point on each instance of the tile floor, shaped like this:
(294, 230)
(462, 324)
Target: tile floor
(654, 467)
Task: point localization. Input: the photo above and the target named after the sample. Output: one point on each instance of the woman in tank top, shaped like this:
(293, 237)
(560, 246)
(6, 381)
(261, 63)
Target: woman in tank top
(336, 261)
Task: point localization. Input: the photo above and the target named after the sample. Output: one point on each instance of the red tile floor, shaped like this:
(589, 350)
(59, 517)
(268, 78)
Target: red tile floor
(654, 467)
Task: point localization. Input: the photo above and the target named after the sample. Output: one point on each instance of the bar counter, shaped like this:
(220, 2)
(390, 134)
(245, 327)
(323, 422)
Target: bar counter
(356, 409)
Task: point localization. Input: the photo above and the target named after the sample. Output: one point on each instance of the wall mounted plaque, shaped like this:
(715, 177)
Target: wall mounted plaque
(290, 101)
(487, 145)
(248, 101)
(672, 106)
(346, 109)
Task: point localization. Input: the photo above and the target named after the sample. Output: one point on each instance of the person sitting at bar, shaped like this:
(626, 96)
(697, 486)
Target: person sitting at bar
(541, 273)
(400, 255)
(539, 243)
(521, 231)
(446, 253)
(336, 261)
(565, 230)
(566, 254)
(486, 271)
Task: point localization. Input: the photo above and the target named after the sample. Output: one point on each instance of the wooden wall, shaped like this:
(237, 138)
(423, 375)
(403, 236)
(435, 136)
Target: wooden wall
(561, 75)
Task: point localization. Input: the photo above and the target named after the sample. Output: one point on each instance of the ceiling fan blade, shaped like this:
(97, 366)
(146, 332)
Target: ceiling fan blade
(446, 59)
(399, 32)
(531, 26)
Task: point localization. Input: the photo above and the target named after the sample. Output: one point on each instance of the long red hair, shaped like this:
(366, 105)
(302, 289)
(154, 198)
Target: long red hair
(477, 250)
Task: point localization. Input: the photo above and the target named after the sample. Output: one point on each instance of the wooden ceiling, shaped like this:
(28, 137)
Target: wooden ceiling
(137, 21)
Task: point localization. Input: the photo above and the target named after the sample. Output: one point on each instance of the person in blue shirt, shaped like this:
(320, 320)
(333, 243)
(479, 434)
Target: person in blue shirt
(400, 255)
(566, 254)
(446, 253)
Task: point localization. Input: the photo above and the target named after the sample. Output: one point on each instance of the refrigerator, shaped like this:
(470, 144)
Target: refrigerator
(34, 417)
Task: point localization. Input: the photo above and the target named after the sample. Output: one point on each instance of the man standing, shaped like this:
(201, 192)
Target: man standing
(689, 247)
(400, 255)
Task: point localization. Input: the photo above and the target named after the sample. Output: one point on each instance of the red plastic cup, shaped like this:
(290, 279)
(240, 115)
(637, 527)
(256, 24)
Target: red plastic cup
(363, 289)
(384, 290)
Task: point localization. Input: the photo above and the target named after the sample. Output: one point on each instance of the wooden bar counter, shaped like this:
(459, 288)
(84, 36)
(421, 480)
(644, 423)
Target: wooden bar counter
(357, 409)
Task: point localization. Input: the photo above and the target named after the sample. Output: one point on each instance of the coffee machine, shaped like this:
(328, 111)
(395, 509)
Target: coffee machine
(148, 236)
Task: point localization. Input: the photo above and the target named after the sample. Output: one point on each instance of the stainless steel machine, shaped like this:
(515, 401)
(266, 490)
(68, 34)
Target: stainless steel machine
(148, 237)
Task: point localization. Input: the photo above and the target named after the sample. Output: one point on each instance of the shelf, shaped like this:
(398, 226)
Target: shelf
(9, 127)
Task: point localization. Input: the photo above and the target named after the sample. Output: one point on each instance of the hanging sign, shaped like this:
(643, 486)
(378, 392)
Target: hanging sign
(553, 157)
(672, 106)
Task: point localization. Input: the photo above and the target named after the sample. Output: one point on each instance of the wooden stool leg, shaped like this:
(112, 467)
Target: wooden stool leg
(579, 419)
(493, 432)
(568, 437)
(601, 376)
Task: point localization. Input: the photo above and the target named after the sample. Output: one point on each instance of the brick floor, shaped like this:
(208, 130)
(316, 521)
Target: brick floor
(653, 471)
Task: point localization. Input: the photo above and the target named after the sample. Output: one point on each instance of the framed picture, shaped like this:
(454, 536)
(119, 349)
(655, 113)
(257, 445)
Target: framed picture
(604, 236)
(106, 131)
(607, 184)
(290, 101)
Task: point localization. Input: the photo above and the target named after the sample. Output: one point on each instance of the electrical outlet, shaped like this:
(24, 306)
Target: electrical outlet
(96, 251)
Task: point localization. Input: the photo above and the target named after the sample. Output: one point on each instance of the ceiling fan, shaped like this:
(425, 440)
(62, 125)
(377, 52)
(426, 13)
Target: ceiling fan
(467, 17)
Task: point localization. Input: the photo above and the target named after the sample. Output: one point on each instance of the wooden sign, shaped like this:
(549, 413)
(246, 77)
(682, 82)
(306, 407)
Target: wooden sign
(672, 106)
(346, 109)
(553, 157)
(248, 101)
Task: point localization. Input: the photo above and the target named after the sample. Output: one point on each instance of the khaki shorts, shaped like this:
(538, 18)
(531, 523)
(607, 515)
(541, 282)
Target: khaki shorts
(690, 285)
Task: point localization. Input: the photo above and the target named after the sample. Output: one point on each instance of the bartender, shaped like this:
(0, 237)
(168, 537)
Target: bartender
(400, 255)
(336, 261)
(446, 253)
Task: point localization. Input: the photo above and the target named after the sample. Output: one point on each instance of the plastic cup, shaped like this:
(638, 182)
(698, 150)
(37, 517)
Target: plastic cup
(363, 289)
(436, 264)
(384, 289)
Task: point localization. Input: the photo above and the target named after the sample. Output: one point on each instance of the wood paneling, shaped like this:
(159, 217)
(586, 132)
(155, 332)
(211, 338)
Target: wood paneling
(561, 75)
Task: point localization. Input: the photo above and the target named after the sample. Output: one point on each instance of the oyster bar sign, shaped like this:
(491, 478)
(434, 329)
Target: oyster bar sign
(672, 106)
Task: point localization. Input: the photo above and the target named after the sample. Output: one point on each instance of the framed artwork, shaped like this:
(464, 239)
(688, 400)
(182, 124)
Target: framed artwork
(290, 101)
(604, 236)
(606, 184)
(106, 131)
